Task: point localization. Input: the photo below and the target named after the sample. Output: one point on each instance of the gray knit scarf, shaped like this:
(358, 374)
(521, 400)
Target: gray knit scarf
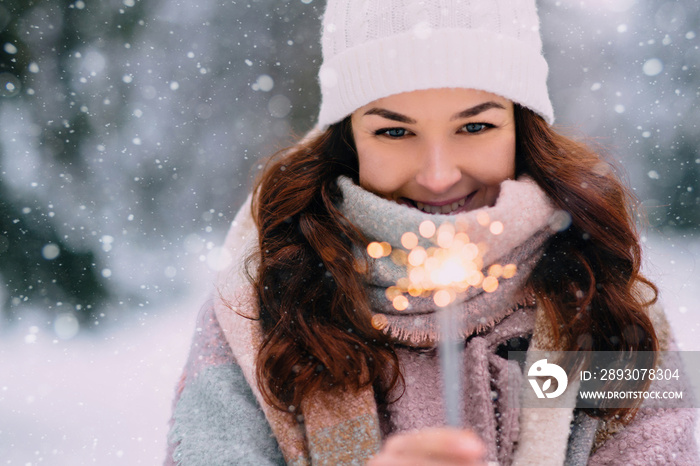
(525, 214)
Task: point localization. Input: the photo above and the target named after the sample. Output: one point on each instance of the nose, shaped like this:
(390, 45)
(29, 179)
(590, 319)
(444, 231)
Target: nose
(439, 169)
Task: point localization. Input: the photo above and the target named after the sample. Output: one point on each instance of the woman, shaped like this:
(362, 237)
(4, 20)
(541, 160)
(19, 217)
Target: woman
(438, 112)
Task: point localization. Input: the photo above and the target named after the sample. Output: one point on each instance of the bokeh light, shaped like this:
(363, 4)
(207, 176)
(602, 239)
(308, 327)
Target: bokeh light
(427, 229)
(453, 265)
(409, 240)
(375, 250)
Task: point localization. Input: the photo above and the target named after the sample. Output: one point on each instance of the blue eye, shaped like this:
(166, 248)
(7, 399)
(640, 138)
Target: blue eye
(475, 127)
(392, 132)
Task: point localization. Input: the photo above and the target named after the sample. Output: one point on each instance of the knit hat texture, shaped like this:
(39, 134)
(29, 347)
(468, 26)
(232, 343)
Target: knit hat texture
(376, 48)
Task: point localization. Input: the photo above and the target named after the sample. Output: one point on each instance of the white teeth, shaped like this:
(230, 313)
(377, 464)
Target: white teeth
(445, 209)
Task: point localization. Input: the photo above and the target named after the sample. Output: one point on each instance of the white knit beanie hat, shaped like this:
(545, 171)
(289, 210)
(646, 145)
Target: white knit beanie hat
(376, 48)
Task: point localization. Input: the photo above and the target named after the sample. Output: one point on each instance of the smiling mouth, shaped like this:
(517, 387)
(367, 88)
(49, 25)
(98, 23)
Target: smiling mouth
(444, 209)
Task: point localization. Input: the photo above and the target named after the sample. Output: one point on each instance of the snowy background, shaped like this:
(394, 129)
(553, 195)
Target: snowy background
(131, 130)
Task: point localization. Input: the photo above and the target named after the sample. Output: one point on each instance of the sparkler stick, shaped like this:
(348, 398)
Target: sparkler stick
(451, 356)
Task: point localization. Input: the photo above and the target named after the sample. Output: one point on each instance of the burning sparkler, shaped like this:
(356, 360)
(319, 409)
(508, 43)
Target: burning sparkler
(442, 271)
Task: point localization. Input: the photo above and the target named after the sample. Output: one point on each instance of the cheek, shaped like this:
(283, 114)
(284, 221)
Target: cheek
(379, 170)
(505, 166)
(507, 162)
(501, 168)
(495, 163)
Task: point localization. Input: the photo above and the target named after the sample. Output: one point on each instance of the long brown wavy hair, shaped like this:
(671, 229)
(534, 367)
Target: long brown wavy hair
(312, 301)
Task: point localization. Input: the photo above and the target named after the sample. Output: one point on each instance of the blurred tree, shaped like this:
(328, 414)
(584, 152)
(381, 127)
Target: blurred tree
(668, 53)
(626, 73)
(127, 125)
(41, 267)
(36, 265)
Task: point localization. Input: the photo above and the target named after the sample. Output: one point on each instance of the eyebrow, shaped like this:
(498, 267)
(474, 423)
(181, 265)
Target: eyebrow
(470, 112)
(389, 115)
(477, 109)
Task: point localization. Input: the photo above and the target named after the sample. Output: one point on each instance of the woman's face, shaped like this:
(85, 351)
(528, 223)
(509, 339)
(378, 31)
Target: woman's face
(439, 150)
